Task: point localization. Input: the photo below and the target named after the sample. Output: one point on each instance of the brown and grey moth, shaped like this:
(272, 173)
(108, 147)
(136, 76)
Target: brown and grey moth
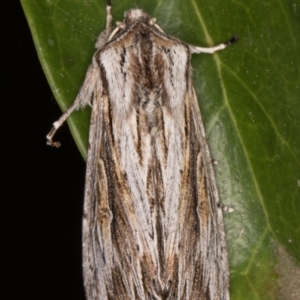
(152, 224)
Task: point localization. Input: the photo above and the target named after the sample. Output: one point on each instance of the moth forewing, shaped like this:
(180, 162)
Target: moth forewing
(152, 226)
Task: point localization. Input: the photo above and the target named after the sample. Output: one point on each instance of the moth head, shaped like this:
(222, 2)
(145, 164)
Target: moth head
(134, 15)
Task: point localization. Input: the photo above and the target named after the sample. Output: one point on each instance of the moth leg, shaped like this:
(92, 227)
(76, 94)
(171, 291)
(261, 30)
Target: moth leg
(83, 98)
(104, 35)
(85, 94)
(57, 124)
(195, 49)
(109, 17)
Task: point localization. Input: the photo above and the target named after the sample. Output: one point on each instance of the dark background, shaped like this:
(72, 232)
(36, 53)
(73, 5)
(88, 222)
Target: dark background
(43, 186)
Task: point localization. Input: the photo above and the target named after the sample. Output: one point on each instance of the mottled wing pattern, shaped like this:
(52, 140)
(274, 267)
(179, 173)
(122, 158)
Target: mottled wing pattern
(151, 224)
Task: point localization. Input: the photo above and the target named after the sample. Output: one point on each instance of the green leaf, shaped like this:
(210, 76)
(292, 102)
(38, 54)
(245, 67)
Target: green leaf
(249, 99)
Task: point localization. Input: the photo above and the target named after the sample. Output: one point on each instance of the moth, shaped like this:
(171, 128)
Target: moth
(152, 223)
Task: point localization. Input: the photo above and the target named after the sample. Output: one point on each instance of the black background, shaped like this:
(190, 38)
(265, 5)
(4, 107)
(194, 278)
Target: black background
(43, 186)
